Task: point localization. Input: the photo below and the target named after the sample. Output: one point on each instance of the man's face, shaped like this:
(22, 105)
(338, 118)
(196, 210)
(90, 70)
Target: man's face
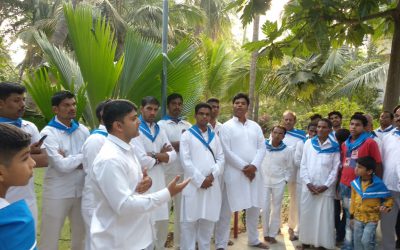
(385, 120)
(240, 107)
(336, 120)
(19, 171)
(149, 112)
(13, 107)
(175, 107)
(66, 109)
(130, 125)
(312, 131)
(214, 109)
(323, 129)
(356, 127)
(277, 134)
(289, 121)
(203, 117)
(397, 118)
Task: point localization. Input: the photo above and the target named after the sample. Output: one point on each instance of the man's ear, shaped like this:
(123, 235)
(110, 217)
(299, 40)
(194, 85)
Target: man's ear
(54, 109)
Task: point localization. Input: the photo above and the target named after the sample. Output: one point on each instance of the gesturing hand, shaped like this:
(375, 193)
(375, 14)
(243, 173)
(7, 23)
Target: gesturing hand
(174, 188)
(144, 184)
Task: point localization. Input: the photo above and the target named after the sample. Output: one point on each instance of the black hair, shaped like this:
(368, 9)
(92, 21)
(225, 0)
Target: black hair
(390, 113)
(342, 135)
(99, 109)
(327, 122)
(174, 96)
(8, 88)
(312, 124)
(335, 113)
(239, 96)
(12, 140)
(201, 105)
(60, 96)
(279, 126)
(368, 162)
(116, 110)
(315, 116)
(396, 108)
(150, 100)
(213, 99)
(360, 117)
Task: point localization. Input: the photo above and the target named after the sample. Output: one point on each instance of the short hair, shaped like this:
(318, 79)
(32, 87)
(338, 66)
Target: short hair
(174, 96)
(239, 96)
(327, 122)
(8, 88)
(342, 135)
(368, 162)
(287, 112)
(213, 99)
(396, 108)
(359, 113)
(390, 114)
(116, 110)
(99, 109)
(149, 100)
(315, 116)
(312, 124)
(12, 140)
(335, 113)
(360, 117)
(60, 96)
(201, 105)
(279, 126)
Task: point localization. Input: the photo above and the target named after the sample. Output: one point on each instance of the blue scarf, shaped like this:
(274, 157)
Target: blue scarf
(333, 149)
(271, 148)
(388, 129)
(99, 131)
(16, 122)
(372, 134)
(376, 189)
(146, 130)
(55, 124)
(397, 132)
(197, 133)
(176, 120)
(297, 133)
(17, 227)
(356, 144)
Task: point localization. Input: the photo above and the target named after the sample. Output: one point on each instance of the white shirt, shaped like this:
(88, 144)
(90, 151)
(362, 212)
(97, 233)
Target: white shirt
(276, 166)
(291, 141)
(380, 133)
(320, 168)
(62, 178)
(243, 144)
(156, 172)
(3, 203)
(26, 192)
(122, 218)
(390, 159)
(217, 127)
(198, 162)
(174, 132)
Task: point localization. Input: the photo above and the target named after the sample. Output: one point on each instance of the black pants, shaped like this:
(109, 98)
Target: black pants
(340, 221)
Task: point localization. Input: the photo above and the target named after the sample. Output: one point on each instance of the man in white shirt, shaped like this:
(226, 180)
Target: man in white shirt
(292, 137)
(319, 167)
(64, 178)
(386, 124)
(202, 160)
(244, 149)
(174, 126)
(157, 154)
(12, 108)
(391, 178)
(276, 169)
(214, 124)
(90, 149)
(122, 218)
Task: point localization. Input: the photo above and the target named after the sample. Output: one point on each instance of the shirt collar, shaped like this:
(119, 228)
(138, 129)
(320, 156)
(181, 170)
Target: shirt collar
(120, 143)
(102, 127)
(236, 119)
(56, 118)
(327, 142)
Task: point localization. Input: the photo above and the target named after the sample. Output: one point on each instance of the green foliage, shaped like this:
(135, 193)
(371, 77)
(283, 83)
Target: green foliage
(250, 8)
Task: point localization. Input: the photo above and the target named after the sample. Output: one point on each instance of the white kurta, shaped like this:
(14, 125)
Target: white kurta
(243, 144)
(198, 163)
(276, 166)
(156, 172)
(390, 157)
(122, 218)
(382, 133)
(317, 211)
(217, 127)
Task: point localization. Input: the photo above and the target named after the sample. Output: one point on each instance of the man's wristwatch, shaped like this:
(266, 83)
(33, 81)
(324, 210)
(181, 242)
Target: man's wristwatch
(154, 156)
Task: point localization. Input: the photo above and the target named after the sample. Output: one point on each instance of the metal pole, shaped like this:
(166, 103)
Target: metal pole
(164, 51)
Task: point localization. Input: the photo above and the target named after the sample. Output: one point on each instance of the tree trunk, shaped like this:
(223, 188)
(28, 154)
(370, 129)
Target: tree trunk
(253, 67)
(256, 106)
(392, 91)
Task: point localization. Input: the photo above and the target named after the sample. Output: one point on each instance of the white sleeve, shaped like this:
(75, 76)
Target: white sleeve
(145, 160)
(90, 150)
(333, 174)
(259, 157)
(230, 157)
(218, 167)
(171, 154)
(289, 164)
(298, 153)
(303, 165)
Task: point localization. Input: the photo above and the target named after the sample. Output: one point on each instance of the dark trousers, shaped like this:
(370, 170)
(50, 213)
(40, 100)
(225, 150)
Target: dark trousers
(340, 221)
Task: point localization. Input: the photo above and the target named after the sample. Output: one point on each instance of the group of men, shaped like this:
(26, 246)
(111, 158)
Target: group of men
(118, 183)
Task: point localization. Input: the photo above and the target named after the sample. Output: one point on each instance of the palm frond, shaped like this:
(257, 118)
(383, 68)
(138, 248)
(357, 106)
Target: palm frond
(336, 59)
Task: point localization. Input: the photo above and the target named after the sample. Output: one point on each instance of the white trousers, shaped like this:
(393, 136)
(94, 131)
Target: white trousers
(222, 229)
(199, 231)
(176, 201)
(293, 213)
(298, 198)
(161, 229)
(54, 213)
(271, 212)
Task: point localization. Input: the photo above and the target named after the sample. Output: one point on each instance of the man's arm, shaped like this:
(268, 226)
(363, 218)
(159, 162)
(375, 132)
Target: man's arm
(230, 157)
(334, 171)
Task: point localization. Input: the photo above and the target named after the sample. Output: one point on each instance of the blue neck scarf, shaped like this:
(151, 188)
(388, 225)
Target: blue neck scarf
(176, 120)
(16, 122)
(17, 227)
(397, 132)
(99, 131)
(372, 134)
(55, 124)
(297, 133)
(356, 144)
(195, 130)
(388, 129)
(146, 130)
(376, 189)
(334, 148)
(270, 148)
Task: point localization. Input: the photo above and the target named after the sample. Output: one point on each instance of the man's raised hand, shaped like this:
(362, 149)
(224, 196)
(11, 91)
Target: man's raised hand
(174, 187)
(144, 184)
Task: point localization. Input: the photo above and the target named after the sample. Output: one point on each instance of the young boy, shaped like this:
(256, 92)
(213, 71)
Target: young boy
(17, 226)
(369, 197)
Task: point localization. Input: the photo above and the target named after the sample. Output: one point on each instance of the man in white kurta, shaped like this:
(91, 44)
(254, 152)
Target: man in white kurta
(157, 154)
(319, 167)
(244, 149)
(276, 169)
(64, 178)
(386, 124)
